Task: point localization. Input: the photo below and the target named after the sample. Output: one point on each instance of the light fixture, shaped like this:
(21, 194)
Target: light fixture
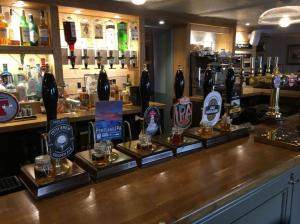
(282, 16)
(138, 2)
(77, 11)
(161, 22)
(117, 17)
(284, 21)
(247, 24)
(19, 4)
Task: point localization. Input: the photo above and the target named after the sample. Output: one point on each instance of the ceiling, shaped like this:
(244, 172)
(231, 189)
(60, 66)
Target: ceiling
(243, 11)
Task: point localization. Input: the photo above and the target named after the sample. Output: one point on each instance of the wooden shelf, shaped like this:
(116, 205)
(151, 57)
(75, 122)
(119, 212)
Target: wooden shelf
(25, 50)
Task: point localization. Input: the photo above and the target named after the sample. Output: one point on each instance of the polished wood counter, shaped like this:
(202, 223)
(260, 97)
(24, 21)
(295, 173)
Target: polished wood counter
(180, 189)
(250, 91)
(82, 115)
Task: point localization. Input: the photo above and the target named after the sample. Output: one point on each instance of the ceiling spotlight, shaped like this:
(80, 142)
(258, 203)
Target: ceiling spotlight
(117, 17)
(19, 4)
(77, 11)
(161, 22)
(284, 21)
(247, 24)
(138, 2)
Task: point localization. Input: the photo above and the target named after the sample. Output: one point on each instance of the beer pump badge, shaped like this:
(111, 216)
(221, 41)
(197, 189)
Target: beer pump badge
(212, 108)
(109, 118)
(61, 139)
(152, 120)
(183, 113)
(9, 107)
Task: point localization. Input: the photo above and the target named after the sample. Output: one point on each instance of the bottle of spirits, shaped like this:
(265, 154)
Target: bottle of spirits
(145, 89)
(24, 30)
(98, 29)
(32, 86)
(3, 29)
(70, 37)
(208, 81)
(103, 87)
(122, 37)
(179, 83)
(134, 35)
(50, 96)
(22, 84)
(110, 31)
(7, 79)
(43, 30)
(268, 78)
(33, 32)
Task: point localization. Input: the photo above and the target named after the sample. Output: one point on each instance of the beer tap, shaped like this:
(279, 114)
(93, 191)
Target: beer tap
(85, 59)
(122, 60)
(111, 59)
(98, 60)
(273, 112)
(208, 81)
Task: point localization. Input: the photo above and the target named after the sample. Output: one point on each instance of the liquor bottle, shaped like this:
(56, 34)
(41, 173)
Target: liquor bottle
(22, 85)
(13, 28)
(229, 84)
(33, 32)
(134, 35)
(268, 77)
(179, 83)
(122, 37)
(50, 96)
(98, 29)
(208, 81)
(43, 30)
(145, 89)
(103, 87)
(3, 29)
(39, 79)
(24, 30)
(70, 37)
(110, 35)
(7, 79)
(32, 85)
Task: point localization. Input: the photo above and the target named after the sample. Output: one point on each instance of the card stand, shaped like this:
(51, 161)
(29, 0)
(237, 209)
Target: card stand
(102, 170)
(45, 187)
(146, 157)
(188, 145)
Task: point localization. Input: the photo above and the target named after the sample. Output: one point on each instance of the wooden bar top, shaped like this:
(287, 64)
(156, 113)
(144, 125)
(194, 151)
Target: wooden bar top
(180, 189)
(81, 115)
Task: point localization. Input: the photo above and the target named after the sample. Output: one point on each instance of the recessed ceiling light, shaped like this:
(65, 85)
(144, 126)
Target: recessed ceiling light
(77, 11)
(117, 17)
(138, 2)
(19, 4)
(161, 22)
(284, 21)
(247, 24)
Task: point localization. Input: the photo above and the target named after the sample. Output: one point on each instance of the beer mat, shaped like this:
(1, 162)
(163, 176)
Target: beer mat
(45, 187)
(104, 169)
(189, 144)
(281, 137)
(166, 140)
(145, 156)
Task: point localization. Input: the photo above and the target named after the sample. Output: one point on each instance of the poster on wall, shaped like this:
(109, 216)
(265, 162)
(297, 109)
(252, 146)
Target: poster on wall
(109, 118)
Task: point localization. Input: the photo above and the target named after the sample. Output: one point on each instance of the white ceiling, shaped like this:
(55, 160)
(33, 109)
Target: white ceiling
(241, 10)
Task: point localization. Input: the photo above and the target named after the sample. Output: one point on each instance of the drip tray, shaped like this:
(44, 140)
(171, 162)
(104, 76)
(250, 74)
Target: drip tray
(188, 145)
(45, 187)
(118, 164)
(145, 157)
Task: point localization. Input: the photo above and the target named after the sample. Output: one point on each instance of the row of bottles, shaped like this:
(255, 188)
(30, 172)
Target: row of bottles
(15, 30)
(26, 83)
(101, 34)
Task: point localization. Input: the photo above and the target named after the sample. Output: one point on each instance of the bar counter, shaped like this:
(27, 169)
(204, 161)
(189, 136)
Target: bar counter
(180, 190)
(81, 115)
(250, 91)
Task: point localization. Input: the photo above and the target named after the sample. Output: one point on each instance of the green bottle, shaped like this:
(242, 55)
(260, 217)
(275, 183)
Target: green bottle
(33, 32)
(24, 30)
(122, 36)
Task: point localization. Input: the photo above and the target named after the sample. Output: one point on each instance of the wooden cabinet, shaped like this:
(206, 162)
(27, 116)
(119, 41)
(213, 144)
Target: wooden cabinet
(277, 201)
